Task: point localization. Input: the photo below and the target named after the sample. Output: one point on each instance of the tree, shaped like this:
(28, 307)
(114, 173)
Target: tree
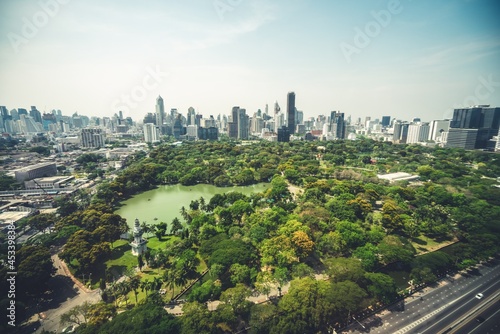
(35, 265)
(343, 269)
(135, 283)
(176, 226)
(77, 315)
(147, 317)
(196, 318)
(381, 286)
(237, 298)
(140, 262)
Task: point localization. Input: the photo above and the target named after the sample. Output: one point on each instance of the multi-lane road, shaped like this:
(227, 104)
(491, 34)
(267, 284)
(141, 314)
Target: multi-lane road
(450, 307)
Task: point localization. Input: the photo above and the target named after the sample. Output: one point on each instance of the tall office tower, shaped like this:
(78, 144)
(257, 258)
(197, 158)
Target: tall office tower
(160, 114)
(47, 120)
(483, 118)
(461, 138)
(299, 117)
(177, 128)
(151, 133)
(283, 134)
(4, 112)
(338, 125)
(466, 118)
(28, 124)
(386, 120)
(243, 125)
(14, 115)
(191, 116)
(290, 112)
(92, 138)
(22, 111)
(400, 132)
(233, 123)
(437, 127)
(120, 114)
(418, 133)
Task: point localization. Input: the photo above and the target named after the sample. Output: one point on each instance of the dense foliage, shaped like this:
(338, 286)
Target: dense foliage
(325, 212)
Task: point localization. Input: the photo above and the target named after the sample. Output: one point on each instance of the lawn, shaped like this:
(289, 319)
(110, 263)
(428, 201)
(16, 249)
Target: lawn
(122, 259)
(425, 244)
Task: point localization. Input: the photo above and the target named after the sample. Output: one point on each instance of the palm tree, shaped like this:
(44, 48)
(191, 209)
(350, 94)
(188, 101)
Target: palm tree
(156, 284)
(168, 278)
(146, 228)
(145, 286)
(184, 214)
(134, 284)
(176, 226)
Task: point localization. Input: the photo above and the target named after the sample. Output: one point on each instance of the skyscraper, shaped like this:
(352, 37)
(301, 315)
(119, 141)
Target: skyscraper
(233, 124)
(337, 124)
(151, 133)
(242, 124)
(160, 114)
(483, 118)
(290, 112)
(386, 120)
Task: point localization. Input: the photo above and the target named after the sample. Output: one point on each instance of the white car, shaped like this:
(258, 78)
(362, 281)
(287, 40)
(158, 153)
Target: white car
(69, 329)
(479, 296)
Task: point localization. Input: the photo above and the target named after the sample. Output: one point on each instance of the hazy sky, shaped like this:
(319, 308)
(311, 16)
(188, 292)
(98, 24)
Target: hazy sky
(404, 58)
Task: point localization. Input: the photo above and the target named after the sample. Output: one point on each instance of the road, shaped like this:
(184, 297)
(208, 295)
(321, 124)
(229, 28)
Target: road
(441, 306)
(489, 322)
(66, 295)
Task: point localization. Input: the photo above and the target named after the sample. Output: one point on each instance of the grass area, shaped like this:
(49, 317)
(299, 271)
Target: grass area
(122, 259)
(425, 244)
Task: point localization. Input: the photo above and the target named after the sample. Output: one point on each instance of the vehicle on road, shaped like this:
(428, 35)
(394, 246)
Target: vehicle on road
(479, 296)
(69, 329)
(480, 319)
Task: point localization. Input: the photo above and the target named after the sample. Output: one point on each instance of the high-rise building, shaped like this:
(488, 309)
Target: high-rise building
(400, 132)
(437, 128)
(338, 125)
(290, 112)
(418, 133)
(160, 114)
(243, 126)
(483, 118)
(151, 133)
(92, 138)
(233, 123)
(386, 120)
(461, 138)
(283, 134)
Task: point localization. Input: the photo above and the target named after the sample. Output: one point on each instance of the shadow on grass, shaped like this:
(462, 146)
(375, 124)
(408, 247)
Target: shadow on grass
(419, 241)
(118, 251)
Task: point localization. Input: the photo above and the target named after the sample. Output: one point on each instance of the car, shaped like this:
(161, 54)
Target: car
(69, 329)
(480, 319)
(479, 296)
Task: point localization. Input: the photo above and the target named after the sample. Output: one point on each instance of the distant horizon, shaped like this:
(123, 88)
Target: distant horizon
(397, 58)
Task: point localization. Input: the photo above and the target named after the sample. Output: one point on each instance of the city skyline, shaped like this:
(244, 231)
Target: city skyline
(370, 58)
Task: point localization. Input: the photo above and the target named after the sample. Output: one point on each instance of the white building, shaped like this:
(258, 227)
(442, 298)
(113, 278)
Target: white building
(417, 133)
(437, 128)
(151, 133)
(92, 138)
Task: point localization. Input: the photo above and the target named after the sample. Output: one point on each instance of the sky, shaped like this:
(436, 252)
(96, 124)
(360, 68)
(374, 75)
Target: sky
(406, 58)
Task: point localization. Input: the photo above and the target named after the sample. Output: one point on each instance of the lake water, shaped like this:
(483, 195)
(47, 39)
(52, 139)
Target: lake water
(165, 202)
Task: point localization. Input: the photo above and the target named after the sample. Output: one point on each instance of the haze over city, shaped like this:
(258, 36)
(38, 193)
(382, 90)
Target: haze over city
(365, 58)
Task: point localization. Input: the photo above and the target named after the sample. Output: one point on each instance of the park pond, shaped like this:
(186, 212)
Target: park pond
(164, 203)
